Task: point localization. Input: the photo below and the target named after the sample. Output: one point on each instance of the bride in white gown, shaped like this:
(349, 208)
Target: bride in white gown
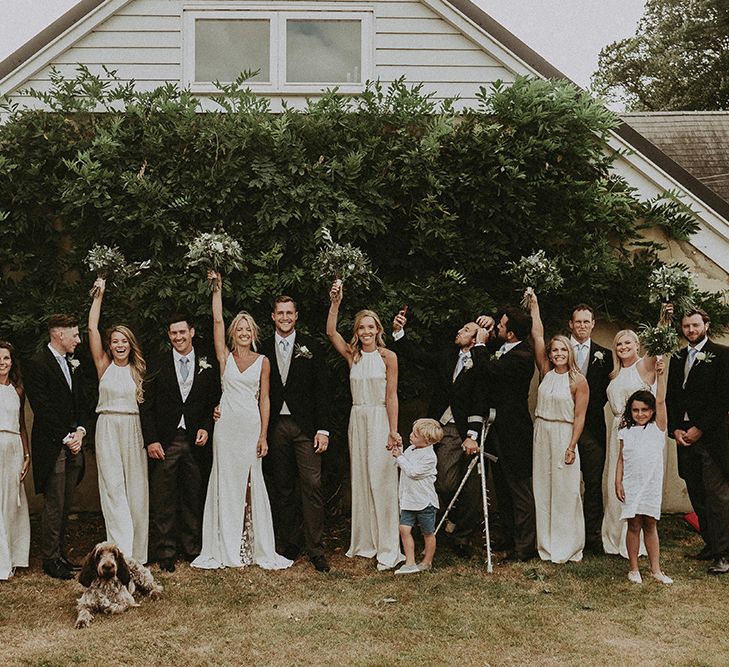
(237, 525)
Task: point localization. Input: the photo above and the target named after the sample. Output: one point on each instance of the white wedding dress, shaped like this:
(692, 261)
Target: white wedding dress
(233, 534)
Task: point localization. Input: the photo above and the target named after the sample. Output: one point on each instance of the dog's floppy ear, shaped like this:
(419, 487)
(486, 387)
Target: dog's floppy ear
(122, 569)
(88, 571)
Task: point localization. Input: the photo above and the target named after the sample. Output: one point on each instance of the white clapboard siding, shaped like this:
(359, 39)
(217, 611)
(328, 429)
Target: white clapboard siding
(152, 8)
(120, 40)
(140, 24)
(140, 72)
(145, 55)
(427, 58)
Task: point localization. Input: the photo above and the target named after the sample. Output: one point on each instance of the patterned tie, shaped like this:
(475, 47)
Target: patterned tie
(184, 368)
(284, 345)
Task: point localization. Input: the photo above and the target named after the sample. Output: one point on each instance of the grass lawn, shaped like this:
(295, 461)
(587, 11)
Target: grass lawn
(523, 614)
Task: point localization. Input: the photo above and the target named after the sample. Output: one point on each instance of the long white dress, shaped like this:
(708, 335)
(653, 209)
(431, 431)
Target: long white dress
(233, 534)
(560, 521)
(14, 521)
(643, 470)
(614, 529)
(121, 461)
(375, 515)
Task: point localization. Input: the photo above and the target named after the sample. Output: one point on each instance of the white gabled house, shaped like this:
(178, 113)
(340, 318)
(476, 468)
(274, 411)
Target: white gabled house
(301, 47)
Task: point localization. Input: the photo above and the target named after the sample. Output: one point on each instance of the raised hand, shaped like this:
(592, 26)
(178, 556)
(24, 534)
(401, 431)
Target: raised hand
(336, 292)
(398, 324)
(216, 280)
(99, 287)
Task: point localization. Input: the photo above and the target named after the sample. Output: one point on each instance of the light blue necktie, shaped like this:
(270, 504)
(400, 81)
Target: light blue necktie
(184, 368)
(63, 363)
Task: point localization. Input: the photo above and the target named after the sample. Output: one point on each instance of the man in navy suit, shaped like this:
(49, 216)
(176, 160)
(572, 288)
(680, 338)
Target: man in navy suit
(180, 392)
(54, 389)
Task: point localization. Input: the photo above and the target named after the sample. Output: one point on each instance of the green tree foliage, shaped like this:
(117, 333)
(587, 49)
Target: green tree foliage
(439, 200)
(677, 60)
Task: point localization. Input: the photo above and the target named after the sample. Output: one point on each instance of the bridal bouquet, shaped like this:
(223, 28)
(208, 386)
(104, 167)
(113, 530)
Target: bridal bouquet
(672, 284)
(661, 339)
(342, 262)
(536, 271)
(108, 262)
(215, 250)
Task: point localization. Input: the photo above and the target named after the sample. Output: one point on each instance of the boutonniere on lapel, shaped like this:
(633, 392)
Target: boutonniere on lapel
(499, 354)
(74, 364)
(598, 358)
(302, 351)
(204, 365)
(706, 357)
(467, 363)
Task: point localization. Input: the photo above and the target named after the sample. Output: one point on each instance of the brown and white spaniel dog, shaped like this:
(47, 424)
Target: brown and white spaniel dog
(110, 581)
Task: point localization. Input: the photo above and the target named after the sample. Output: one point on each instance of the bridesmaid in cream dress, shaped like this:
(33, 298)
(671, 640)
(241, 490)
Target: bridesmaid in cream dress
(14, 463)
(372, 432)
(631, 373)
(120, 455)
(560, 416)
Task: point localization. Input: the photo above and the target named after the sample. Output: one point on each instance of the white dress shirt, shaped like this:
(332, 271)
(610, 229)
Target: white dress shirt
(417, 479)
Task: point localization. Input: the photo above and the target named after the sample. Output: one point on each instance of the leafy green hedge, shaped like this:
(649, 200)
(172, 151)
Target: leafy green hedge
(440, 200)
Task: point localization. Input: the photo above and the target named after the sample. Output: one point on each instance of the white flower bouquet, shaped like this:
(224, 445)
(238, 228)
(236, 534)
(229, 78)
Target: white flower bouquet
(672, 284)
(342, 262)
(659, 340)
(217, 251)
(108, 262)
(536, 271)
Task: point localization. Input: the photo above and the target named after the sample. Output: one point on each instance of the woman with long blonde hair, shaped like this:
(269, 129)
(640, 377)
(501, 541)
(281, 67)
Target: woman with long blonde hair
(372, 433)
(559, 419)
(121, 459)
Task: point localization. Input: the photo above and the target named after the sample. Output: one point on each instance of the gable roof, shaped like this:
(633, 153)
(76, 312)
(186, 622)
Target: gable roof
(625, 136)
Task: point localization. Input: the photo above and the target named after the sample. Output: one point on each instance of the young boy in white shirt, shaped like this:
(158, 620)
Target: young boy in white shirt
(418, 499)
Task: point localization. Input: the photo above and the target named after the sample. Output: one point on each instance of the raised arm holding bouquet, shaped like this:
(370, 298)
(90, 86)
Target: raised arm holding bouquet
(215, 251)
(108, 263)
(535, 271)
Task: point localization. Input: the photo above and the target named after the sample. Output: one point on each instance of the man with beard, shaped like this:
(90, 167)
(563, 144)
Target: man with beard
(697, 401)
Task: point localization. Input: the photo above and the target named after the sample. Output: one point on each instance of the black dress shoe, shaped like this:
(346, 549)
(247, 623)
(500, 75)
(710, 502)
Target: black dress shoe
(320, 564)
(704, 554)
(291, 552)
(73, 567)
(167, 564)
(56, 569)
(720, 566)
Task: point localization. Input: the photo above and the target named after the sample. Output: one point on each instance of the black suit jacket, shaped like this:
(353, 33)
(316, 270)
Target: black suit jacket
(57, 411)
(705, 399)
(163, 406)
(508, 379)
(598, 378)
(306, 392)
(466, 396)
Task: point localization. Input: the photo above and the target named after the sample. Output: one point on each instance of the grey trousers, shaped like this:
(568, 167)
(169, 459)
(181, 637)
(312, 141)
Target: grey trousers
(57, 503)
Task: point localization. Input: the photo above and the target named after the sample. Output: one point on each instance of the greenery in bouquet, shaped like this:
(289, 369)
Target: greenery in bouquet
(218, 251)
(109, 263)
(345, 262)
(661, 339)
(672, 284)
(536, 271)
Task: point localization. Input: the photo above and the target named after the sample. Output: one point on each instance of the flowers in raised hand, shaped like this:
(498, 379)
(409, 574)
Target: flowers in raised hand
(535, 271)
(108, 262)
(216, 251)
(661, 339)
(342, 262)
(672, 284)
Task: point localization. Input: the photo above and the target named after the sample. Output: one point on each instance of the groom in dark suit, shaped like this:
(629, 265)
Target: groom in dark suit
(595, 363)
(298, 434)
(698, 400)
(53, 385)
(180, 392)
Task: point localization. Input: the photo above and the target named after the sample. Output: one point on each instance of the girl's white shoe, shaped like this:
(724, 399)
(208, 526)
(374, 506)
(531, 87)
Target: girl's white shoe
(634, 577)
(661, 578)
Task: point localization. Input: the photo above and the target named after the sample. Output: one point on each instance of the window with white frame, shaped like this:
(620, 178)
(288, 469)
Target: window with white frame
(302, 50)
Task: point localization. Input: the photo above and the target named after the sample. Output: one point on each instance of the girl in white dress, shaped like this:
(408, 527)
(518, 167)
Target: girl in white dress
(14, 464)
(560, 416)
(630, 374)
(121, 459)
(639, 473)
(237, 525)
(372, 433)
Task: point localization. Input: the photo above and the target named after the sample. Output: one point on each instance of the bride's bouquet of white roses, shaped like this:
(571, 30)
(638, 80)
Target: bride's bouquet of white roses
(109, 263)
(659, 340)
(344, 263)
(672, 284)
(535, 271)
(217, 251)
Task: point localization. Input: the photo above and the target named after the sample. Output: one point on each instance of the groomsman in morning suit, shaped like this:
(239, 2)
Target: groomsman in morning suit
(697, 400)
(53, 384)
(508, 376)
(595, 363)
(180, 392)
(298, 434)
(456, 402)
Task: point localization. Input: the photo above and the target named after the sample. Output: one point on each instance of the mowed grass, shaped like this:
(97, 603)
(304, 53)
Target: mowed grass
(523, 614)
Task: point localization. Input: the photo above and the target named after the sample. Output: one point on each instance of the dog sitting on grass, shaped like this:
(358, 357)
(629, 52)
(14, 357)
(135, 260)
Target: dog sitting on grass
(110, 581)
